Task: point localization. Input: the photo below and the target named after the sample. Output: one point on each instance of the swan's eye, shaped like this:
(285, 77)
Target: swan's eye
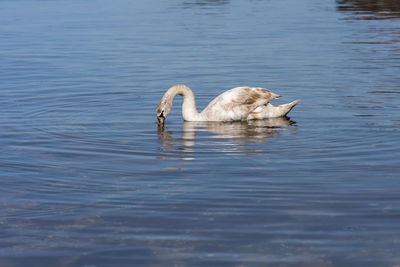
(161, 114)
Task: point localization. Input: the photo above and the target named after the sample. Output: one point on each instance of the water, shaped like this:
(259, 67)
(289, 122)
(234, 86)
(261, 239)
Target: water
(87, 179)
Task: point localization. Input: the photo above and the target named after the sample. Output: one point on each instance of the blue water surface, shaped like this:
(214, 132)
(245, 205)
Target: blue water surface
(88, 179)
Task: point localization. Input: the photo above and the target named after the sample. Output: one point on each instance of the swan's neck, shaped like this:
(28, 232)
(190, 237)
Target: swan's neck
(189, 110)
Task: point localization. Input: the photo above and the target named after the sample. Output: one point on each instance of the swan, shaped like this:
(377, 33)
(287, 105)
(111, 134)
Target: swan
(237, 104)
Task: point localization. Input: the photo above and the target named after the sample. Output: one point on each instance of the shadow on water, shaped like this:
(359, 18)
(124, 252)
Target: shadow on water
(371, 9)
(223, 137)
(205, 3)
(209, 7)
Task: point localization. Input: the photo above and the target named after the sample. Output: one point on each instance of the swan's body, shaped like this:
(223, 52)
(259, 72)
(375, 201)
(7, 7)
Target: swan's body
(237, 104)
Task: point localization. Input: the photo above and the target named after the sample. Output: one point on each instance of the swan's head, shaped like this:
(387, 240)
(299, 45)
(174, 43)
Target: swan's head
(163, 109)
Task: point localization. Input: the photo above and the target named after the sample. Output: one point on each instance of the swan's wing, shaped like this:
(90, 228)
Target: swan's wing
(237, 103)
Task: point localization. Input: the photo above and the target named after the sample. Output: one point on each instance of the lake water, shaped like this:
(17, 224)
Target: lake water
(87, 178)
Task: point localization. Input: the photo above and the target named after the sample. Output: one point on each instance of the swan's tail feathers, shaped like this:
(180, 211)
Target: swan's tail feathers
(286, 108)
(270, 111)
(292, 104)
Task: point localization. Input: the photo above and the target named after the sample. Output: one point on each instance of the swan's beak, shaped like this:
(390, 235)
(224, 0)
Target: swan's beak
(161, 119)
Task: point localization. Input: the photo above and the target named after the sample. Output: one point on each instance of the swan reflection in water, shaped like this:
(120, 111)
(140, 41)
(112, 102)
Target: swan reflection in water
(224, 137)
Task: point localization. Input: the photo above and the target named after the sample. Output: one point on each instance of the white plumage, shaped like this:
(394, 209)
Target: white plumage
(237, 104)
